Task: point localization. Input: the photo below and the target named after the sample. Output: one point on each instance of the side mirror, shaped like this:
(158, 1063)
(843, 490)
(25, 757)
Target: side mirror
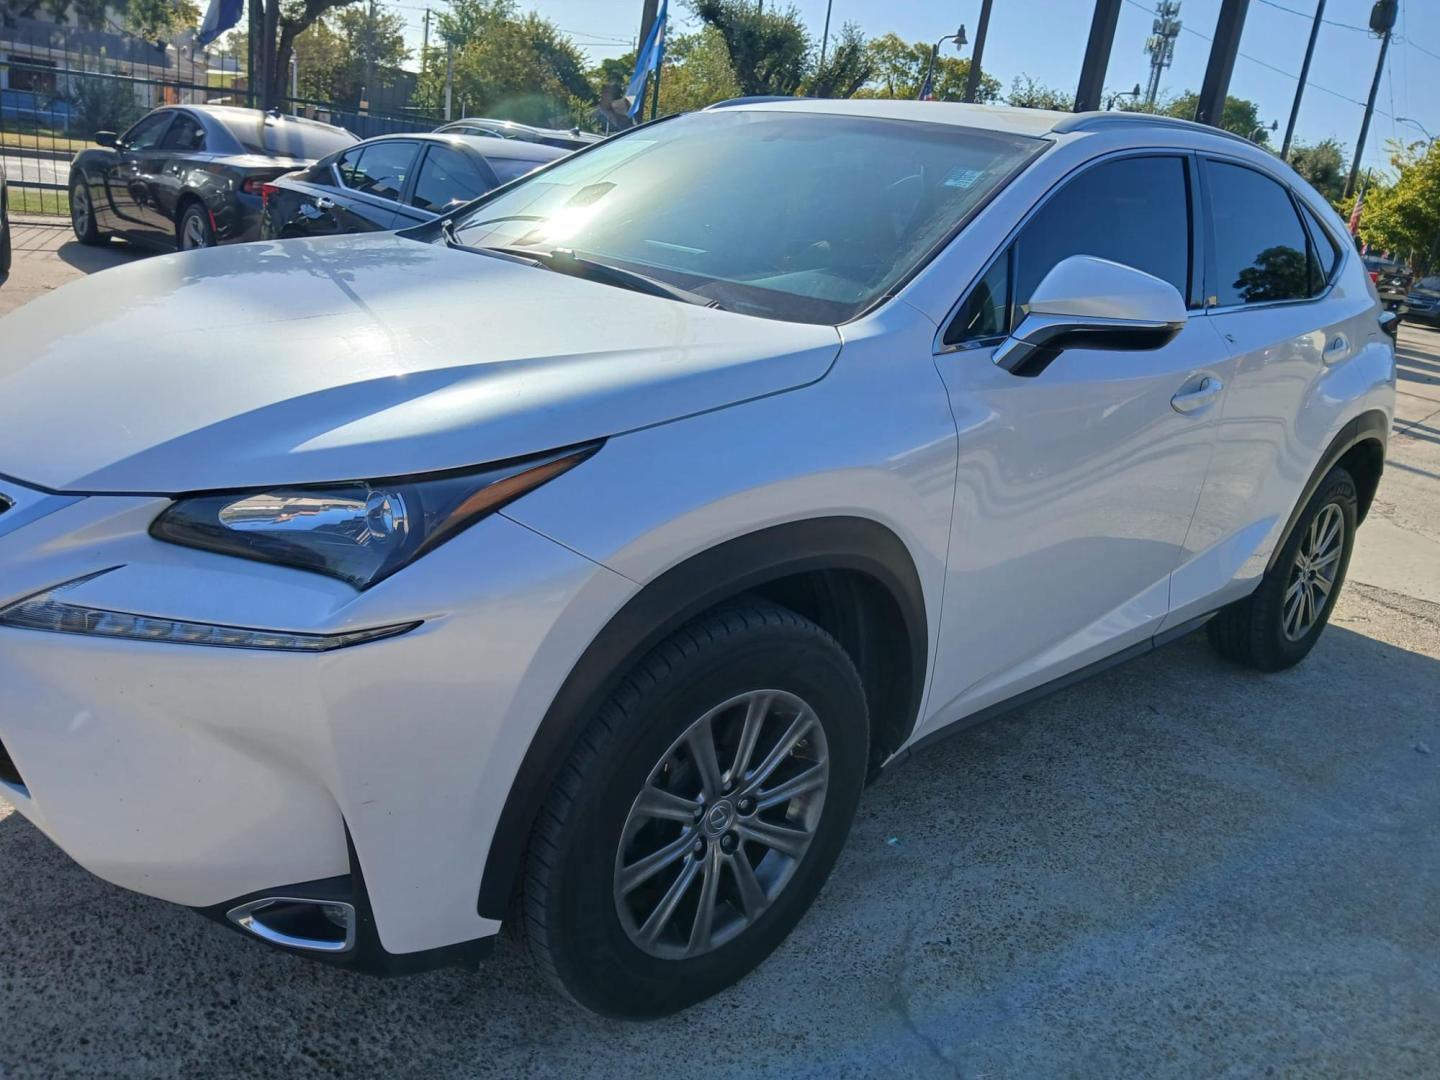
(1090, 303)
(107, 138)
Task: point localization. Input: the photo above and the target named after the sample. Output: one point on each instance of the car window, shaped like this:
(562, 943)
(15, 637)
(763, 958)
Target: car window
(184, 134)
(788, 215)
(146, 135)
(1133, 211)
(986, 310)
(1260, 248)
(379, 169)
(1325, 253)
(507, 169)
(447, 178)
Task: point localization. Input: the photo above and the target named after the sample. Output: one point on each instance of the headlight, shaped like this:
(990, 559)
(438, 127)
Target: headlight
(360, 532)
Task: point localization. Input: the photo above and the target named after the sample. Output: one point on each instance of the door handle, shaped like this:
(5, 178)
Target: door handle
(324, 203)
(1339, 346)
(1189, 401)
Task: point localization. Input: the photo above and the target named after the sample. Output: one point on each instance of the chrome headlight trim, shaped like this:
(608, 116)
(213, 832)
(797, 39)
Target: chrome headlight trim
(47, 612)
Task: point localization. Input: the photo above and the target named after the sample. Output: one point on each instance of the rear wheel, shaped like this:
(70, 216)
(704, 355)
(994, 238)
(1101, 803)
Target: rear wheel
(82, 212)
(194, 230)
(1278, 624)
(699, 816)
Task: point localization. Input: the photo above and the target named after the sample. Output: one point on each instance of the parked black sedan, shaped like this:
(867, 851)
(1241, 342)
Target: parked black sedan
(393, 182)
(189, 176)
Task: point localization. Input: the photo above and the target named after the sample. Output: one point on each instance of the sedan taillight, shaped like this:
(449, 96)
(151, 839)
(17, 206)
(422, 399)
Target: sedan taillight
(267, 190)
(1374, 275)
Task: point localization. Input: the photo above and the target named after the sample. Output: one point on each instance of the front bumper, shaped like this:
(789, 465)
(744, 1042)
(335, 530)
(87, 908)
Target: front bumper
(201, 775)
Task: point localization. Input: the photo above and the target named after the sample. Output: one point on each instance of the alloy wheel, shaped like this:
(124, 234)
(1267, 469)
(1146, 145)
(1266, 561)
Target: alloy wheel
(80, 209)
(722, 823)
(194, 234)
(1312, 578)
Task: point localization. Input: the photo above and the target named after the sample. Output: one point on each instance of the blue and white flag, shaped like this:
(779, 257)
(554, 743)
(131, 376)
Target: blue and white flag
(221, 16)
(652, 52)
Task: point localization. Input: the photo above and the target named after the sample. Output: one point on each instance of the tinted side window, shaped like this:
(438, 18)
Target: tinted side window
(185, 134)
(1261, 251)
(379, 169)
(1133, 211)
(986, 311)
(1326, 253)
(447, 178)
(146, 135)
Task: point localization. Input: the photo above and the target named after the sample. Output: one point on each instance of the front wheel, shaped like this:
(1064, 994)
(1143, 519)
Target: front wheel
(700, 814)
(82, 212)
(5, 250)
(1278, 624)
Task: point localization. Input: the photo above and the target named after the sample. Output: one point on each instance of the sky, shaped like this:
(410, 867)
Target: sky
(1046, 40)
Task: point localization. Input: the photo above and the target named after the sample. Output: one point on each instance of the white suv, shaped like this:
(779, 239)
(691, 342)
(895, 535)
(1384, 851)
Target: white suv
(579, 558)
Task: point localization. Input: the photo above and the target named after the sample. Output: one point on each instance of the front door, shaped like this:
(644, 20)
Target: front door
(126, 187)
(1075, 487)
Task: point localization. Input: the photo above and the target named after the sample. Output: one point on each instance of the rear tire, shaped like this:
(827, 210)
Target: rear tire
(193, 231)
(5, 249)
(82, 212)
(608, 940)
(1277, 625)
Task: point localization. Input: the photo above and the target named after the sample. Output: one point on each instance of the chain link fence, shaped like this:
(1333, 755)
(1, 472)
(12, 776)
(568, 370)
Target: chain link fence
(61, 84)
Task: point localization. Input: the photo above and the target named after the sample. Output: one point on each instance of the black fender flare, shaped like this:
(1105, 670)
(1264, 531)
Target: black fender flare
(1371, 426)
(661, 607)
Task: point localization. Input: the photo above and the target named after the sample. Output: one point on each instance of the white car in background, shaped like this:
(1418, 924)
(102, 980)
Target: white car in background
(579, 557)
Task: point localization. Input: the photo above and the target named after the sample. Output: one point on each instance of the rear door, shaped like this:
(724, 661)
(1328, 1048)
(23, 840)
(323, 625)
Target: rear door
(374, 178)
(447, 178)
(1075, 487)
(1269, 270)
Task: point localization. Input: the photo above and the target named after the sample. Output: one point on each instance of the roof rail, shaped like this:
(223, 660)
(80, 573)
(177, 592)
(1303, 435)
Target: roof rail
(1098, 121)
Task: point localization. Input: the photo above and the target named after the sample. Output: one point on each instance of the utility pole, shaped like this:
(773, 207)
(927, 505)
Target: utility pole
(1097, 55)
(1210, 109)
(1161, 45)
(972, 80)
(1382, 22)
(825, 37)
(449, 75)
(425, 43)
(369, 91)
(252, 61)
(1304, 76)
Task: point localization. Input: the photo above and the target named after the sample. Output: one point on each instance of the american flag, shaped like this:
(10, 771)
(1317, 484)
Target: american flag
(927, 91)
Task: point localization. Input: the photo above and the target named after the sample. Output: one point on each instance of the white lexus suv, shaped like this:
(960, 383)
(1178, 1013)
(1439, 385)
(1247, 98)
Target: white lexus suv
(577, 559)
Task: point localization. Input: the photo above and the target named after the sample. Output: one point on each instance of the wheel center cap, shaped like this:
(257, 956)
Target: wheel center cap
(719, 818)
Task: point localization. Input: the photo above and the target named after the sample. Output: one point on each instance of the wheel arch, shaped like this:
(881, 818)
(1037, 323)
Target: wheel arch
(1360, 447)
(853, 576)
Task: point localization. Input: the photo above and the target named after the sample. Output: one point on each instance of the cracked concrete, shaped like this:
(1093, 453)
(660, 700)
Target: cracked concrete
(1179, 868)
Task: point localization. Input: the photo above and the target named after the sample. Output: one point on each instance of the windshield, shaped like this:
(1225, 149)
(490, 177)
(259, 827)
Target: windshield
(799, 216)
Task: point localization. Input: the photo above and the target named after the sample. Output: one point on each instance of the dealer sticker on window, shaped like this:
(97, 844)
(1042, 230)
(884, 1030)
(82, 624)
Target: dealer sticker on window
(962, 177)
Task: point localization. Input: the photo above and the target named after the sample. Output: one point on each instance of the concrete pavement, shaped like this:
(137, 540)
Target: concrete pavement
(1179, 868)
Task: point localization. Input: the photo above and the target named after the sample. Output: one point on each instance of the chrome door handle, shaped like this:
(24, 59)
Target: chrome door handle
(1339, 345)
(324, 202)
(1189, 401)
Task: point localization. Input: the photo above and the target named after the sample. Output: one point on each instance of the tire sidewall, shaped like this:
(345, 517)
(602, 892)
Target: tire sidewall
(599, 964)
(92, 231)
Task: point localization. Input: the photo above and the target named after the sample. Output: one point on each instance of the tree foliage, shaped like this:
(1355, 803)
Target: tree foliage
(897, 70)
(770, 50)
(1026, 93)
(1403, 216)
(1323, 165)
(507, 65)
(1239, 115)
(155, 20)
(697, 73)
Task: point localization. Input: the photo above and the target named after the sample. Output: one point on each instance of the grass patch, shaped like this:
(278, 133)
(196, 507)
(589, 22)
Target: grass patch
(30, 201)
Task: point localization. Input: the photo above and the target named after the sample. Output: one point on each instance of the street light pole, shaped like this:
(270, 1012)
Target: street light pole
(1382, 20)
(972, 81)
(1416, 123)
(959, 38)
(825, 37)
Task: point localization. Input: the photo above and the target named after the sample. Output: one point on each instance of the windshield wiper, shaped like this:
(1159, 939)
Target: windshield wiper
(566, 261)
(447, 233)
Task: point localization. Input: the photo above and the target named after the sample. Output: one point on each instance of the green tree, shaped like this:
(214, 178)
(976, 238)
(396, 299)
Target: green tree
(1026, 93)
(1323, 165)
(770, 51)
(151, 19)
(1403, 216)
(508, 65)
(697, 73)
(846, 68)
(897, 70)
(1240, 115)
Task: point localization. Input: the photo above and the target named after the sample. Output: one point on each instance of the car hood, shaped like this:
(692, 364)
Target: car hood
(356, 357)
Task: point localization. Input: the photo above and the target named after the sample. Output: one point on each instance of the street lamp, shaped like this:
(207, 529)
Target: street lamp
(1133, 95)
(1416, 123)
(1259, 132)
(960, 42)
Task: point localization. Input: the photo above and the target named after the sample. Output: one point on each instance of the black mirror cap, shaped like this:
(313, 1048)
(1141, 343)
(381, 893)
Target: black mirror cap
(1033, 352)
(107, 138)
(1390, 324)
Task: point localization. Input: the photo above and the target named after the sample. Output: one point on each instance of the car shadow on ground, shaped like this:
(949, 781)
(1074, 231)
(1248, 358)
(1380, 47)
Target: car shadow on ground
(88, 259)
(1175, 865)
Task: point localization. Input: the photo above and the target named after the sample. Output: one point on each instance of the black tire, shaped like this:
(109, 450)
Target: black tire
(1252, 632)
(5, 249)
(194, 229)
(85, 228)
(570, 910)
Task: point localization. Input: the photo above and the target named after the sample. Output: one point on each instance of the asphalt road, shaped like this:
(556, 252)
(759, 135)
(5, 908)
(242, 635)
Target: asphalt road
(1179, 868)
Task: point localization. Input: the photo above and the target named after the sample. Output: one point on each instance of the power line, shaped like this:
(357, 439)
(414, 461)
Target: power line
(1308, 15)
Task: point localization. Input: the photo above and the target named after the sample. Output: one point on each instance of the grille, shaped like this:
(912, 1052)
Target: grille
(8, 772)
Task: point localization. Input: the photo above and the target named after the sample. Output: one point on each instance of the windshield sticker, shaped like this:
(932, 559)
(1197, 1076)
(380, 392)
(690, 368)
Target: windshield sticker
(962, 177)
